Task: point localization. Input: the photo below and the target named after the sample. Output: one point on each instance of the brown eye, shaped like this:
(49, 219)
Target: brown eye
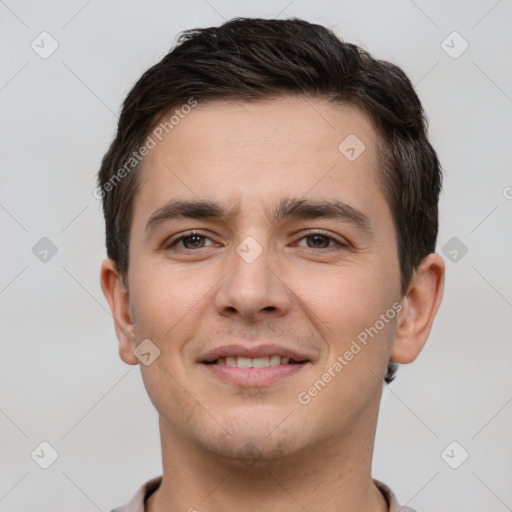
(321, 241)
(193, 241)
(318, 241)
(190, 241)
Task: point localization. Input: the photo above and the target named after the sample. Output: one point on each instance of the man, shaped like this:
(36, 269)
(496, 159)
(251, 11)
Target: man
(271, 219)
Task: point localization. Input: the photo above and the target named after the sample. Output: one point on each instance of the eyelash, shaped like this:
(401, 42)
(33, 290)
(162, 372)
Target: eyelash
(307, 235)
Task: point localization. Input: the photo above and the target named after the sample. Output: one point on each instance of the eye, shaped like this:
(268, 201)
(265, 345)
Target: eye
(196, 240)
(190, 241)
(320, 240)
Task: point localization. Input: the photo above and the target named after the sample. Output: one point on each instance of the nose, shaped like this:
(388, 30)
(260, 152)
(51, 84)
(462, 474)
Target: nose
(252, 289)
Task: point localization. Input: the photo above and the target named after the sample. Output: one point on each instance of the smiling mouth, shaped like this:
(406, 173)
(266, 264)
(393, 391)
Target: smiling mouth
(256, 362)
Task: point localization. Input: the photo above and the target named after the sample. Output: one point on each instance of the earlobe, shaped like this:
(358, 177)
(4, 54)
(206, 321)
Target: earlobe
(420, 306)
(119, 302)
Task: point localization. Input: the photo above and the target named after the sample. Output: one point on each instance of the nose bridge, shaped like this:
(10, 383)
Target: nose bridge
(251, 287)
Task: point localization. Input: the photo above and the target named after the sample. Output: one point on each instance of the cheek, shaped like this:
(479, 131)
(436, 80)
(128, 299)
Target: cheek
(345, 298)
(163, 296)
(348, 304)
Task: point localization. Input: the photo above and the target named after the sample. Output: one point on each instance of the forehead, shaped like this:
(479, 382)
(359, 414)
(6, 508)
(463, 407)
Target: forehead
(289, 126)
(255, 152)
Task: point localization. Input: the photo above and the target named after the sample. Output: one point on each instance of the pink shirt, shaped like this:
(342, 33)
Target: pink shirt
(136, 504)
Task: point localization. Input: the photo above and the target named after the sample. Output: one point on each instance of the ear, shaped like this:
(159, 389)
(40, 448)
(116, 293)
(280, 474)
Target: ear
(118, 298)
(420, 306)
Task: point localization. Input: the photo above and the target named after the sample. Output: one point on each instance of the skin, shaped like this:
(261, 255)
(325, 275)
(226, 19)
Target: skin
(228, 447)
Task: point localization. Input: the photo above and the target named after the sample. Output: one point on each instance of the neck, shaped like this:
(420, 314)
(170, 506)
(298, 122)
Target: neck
(329, 477)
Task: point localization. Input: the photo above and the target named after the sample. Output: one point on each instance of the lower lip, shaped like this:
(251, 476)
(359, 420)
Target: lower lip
(248, 377)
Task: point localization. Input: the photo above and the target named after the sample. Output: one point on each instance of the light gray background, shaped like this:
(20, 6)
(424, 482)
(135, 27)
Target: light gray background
(61, 379)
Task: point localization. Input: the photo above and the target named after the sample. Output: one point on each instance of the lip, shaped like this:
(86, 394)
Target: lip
(254, 377)
(252, 352)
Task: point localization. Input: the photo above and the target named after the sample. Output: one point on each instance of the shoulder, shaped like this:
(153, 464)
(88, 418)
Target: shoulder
(137, 502)
(392, 502)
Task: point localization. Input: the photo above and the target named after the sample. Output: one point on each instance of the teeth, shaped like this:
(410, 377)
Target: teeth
(231, 361)
(257, 362)
(275, 360)
(244, 362)
(260, 362)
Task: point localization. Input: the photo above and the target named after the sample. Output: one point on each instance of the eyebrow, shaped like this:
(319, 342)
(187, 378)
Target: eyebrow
(286, 208)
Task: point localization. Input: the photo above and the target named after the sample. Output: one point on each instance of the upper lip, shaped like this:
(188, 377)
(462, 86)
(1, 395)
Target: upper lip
(252, 352)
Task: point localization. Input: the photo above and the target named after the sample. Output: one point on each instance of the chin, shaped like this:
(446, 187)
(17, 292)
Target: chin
(255, 439)
(246, 453)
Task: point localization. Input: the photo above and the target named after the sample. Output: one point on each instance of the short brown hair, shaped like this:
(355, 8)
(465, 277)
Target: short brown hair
(252, 58)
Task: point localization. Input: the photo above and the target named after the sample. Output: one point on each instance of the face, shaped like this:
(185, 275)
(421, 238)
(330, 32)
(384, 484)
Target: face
(276, 254)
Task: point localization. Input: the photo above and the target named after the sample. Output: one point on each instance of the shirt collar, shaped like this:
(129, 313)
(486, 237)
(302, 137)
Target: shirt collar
(137, 503)
(390, 498)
